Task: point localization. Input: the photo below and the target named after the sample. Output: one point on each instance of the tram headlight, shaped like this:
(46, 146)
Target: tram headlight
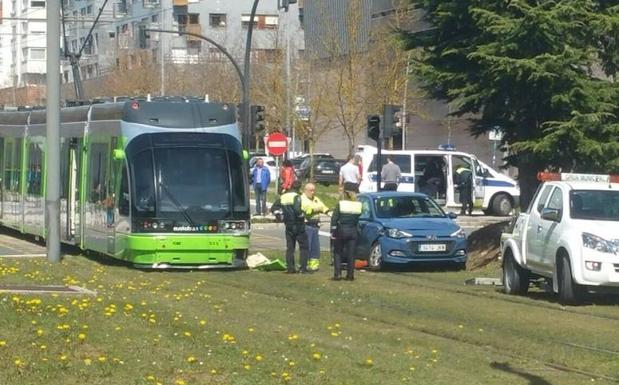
(233, 226)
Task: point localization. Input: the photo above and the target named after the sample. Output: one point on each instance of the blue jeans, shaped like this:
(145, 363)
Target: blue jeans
(261, 201)
(313, 241)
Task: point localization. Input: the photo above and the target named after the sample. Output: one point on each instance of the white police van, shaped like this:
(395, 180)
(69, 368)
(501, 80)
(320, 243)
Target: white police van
(432, 172)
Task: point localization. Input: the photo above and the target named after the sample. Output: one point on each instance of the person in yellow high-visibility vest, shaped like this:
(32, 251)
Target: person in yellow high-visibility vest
(344, 230)
(312, 207)
(294, 220)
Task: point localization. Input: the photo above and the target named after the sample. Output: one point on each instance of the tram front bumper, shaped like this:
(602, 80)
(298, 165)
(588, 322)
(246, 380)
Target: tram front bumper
(191, 251)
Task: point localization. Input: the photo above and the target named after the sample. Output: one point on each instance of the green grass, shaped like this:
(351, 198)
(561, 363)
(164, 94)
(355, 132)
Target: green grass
(249, 327)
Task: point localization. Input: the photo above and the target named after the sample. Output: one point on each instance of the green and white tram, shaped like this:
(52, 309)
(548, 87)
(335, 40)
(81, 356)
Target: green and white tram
(158, 184)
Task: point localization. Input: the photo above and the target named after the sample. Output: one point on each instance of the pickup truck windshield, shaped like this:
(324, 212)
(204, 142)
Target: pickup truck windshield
(599, 205)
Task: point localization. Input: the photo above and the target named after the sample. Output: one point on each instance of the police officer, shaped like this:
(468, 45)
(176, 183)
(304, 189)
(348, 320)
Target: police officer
(294, 220)
(464, 180)
(344, 231)
(312, 207)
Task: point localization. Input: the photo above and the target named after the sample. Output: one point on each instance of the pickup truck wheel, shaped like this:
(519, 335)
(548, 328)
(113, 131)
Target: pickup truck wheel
(502, 205)
(375, 261)
(515, 278)
(569, 291)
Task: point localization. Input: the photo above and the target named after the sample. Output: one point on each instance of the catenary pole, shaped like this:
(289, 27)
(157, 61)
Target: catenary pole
(52, 199)
(247, 76)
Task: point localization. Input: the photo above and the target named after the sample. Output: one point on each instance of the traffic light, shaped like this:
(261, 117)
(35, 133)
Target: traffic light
(257, 118)
(143, 37)
(392, 120)
(374, 127)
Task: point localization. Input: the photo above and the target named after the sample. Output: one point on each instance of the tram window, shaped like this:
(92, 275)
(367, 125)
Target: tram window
(34, 174)
(239, 190)
(98, 171)
(8, 165)
(12, 170)
(64, 167)
(143, 181)
(123, 199)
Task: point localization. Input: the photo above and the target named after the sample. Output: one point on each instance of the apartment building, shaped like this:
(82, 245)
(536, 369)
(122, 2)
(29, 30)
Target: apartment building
(115, 38)
(22, 43)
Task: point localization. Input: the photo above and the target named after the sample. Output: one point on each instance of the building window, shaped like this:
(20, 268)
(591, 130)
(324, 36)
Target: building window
(194, 18)
(37, 4)
(89, 9)
(217, 20)
(37, 53)
(261, 21)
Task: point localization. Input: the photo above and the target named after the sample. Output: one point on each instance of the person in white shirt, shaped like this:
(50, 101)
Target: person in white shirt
(350, 177)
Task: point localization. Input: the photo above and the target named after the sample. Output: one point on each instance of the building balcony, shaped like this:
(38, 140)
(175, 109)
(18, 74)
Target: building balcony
(180, 3)
(194, 28)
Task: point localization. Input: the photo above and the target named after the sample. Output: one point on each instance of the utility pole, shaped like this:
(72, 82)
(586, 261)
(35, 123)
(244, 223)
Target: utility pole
(405, 102)
(52, 200)
(247, 76)
(162, 50)
(289, 127)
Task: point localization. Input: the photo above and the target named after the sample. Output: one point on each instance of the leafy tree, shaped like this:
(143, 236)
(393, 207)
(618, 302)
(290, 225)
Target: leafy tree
(543, 71)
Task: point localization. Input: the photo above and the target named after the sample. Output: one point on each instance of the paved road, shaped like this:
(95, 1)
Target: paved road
(12, 246)
(270, 236)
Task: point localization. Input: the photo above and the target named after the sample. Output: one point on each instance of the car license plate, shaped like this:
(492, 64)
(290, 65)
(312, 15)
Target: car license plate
(433, 247)
(328, 172)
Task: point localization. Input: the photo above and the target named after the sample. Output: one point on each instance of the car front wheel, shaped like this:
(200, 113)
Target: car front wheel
(515, 278)
(570, 292)
(375, 261)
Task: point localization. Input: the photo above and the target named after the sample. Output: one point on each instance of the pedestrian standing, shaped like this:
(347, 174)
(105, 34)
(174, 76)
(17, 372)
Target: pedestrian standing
(350, 177)
(344, 231)
(261, 177)
(391, 175)
(286, 176)
(464, 181)
(294, 220)
(312, 207)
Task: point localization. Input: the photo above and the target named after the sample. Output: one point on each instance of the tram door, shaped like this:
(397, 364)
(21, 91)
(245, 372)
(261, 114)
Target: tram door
(73, 193)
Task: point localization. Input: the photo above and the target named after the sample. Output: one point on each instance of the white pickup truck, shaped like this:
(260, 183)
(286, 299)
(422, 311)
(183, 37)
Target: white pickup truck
(569, 235)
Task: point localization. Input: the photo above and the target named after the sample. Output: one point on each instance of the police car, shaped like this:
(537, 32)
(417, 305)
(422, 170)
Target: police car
(569, 235)
(432, 172)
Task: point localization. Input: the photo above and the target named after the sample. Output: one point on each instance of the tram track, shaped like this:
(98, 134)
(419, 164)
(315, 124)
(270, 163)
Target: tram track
(496, 296)
(425, 331)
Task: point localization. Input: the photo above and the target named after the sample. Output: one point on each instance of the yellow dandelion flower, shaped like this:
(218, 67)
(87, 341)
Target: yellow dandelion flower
(434, 351)
(81, 336)
(245, 352)
(2, 343)
(202, 322)
(191, 359)
(40, 332)
(87, 361)
(179, 382)
(247, 367)
(43, 347)
(19, 363)
(322, 372)
(291, 363)
(251, 330)
(316, 356)
(187, 334)
(334, 334)
(258, 357)
(213, 371)
(369, 362)
(150, 377)
(63, 357)
(102, 359)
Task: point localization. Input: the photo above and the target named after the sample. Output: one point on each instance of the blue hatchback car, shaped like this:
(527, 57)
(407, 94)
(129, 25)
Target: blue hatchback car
(400, 228)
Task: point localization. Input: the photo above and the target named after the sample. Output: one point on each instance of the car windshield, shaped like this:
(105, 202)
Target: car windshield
(598, 205)
(407, 207)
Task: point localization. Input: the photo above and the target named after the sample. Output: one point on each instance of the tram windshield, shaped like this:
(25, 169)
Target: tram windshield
(191, 183)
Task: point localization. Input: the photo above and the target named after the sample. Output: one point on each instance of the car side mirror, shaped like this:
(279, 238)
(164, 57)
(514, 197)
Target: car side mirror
(553, 215)
(452, 215)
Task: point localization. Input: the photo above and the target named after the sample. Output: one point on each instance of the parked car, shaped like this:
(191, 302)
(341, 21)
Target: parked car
(326, 170)
(298, 161)
(269, 162)
(405, 228)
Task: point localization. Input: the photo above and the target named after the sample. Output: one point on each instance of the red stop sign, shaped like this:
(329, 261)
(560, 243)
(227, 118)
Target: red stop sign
(277, 143)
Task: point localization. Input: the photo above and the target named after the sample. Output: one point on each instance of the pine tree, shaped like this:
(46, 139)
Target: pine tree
(543, 71)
